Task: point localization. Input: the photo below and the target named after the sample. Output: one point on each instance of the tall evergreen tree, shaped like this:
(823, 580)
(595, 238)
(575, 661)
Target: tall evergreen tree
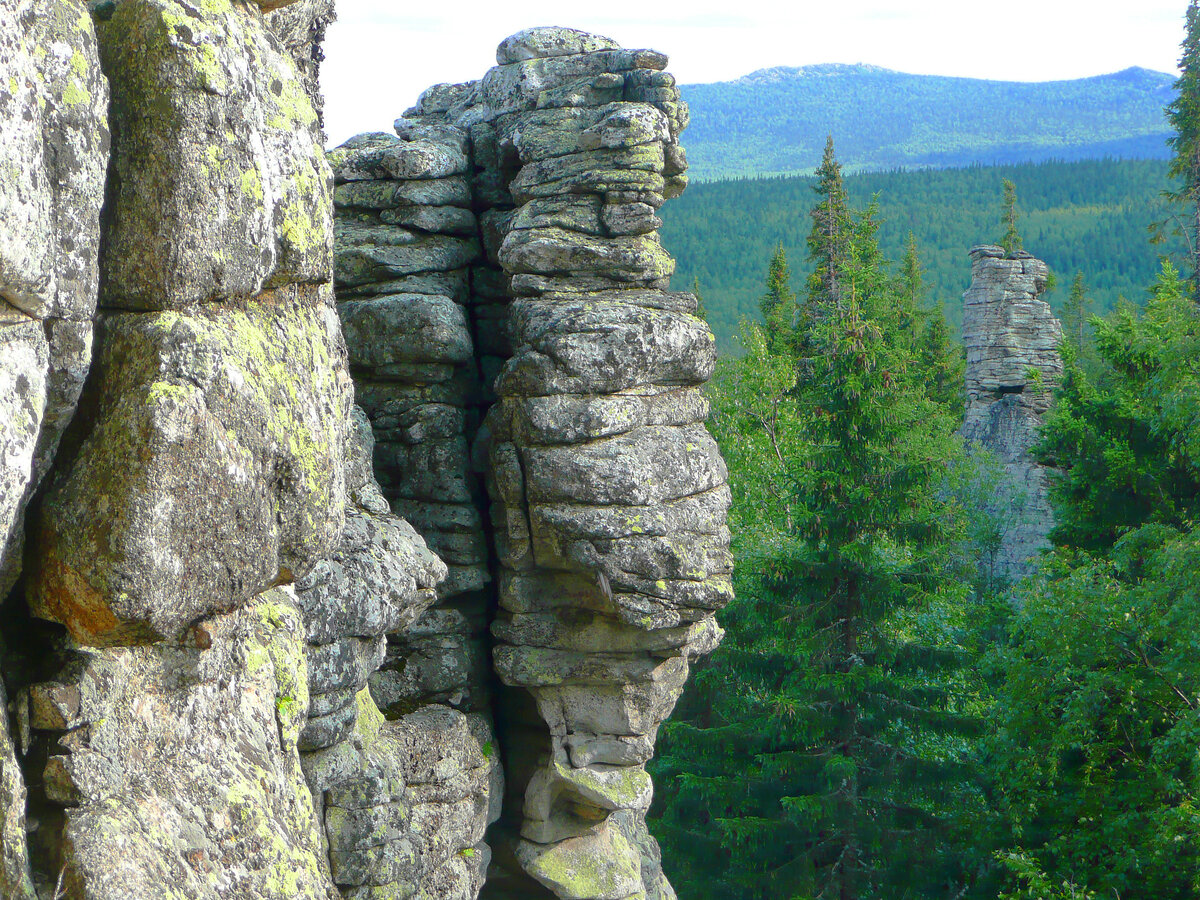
(701, 311)
(1183, 113)
(778, 304)
(829, 238)
(1094, 750)
(912, 274)
(824, 749)
(938, 354)
(1075, 314)
(1011, 242)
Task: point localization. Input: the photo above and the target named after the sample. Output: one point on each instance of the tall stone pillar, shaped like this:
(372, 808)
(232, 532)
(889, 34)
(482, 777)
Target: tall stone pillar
(1013, 366)
(609, 552)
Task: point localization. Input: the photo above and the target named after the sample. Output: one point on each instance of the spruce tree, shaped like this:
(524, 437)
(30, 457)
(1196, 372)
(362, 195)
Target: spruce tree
(1183, 113)
(912, 280)
(778, 304)
(1093, 752)
(1075, 315)
(701, 312)
(938, 354)
(1011, 242)
(828, 239)
(824, 750)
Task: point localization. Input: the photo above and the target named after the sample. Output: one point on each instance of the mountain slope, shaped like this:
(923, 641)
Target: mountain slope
(774, 121)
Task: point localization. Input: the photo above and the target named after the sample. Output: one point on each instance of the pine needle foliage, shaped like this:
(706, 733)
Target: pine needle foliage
(829, 743)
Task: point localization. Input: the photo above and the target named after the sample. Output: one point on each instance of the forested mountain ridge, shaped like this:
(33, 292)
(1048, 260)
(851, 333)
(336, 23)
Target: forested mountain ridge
(1089, 216)
(774, 121)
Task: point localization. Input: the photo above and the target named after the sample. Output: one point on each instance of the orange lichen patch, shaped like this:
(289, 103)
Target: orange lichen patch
(61, 594)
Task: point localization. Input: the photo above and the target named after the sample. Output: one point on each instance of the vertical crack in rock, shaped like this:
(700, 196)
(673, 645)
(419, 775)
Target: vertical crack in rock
(54, 145)
(1013, 366)
(253, 677)
(501, 253)
(404, 803)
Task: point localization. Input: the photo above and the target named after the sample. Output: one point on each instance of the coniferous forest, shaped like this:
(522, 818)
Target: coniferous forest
(888, 719)
(1089, 216)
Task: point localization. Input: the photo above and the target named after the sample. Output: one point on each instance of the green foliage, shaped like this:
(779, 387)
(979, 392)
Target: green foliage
(1094, 758)
(1183, 112)
(828, 240)
(1085, 217)
(828, 745)
(1033, 883)
(1123, 437)
(1093, 753)
(1011, 242)
(778, 304)
(701, 312)
(1075, 313)
(771, 122)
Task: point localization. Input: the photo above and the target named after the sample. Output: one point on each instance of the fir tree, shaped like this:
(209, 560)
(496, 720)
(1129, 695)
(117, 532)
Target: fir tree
(1183, 113)
(829, 238)
(1011, 242)
(1075, 314)
(701, 312)
(938, 354)
(912, 275)
(778, 304)
(1096, 725)
(825, 749)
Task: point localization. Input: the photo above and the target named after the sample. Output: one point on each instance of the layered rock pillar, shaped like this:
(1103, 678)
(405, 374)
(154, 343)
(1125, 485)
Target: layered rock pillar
(1013, 366)
(211, 542)
(609, 549)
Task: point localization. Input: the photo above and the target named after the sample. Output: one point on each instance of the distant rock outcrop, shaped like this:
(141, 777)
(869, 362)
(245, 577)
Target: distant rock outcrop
(1013, 366)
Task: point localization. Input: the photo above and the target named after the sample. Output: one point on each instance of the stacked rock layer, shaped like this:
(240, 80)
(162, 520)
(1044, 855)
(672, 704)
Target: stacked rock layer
(262, 637)
(608, 496)
(1013, 365)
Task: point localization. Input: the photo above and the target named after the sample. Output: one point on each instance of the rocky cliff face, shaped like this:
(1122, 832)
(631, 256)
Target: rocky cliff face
(381, 595)
(504, 295)
(1013, 366)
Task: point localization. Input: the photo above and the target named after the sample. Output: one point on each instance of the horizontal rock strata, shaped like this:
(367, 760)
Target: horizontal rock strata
(1013, 366)
(608, 496)
(362, 562)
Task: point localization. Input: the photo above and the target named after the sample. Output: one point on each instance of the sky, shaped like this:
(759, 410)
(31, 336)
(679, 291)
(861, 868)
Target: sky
(381, 54)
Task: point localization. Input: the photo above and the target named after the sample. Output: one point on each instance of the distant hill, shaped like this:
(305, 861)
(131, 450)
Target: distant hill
(1087, 216)
(774, 121)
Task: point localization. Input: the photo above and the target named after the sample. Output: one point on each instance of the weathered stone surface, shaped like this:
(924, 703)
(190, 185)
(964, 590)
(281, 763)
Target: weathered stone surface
(211, 470)
(379, 156)
(400, 194)
(182, 770)
(220, 188)
(16, 880)
(54, 145)
(608, 497)
(301, 25)
(1013, 365)
(550, 251)
(590, 347)
(535, 43)
(379, 579)
(436, 327)
(372, 253)
(24, 360)
(410, 820)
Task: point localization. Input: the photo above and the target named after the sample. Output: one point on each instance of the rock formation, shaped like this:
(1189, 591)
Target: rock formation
(1013, 365)
(499, 254)
(272, 631)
